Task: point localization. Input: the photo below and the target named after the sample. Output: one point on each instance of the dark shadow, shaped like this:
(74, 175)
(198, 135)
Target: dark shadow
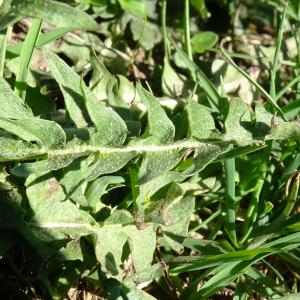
(31, 259)
(258, 131)
(203, 247)
(102, 214)
(79, 100)
(175, 237)
(34, 260)
(110, 264)
(80, 133)
(119, 292)
(21, 86)
(219, 21)
(73, 190)
(123, 112)
(262, 129)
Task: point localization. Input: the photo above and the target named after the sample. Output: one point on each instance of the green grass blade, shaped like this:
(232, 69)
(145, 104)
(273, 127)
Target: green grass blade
(241, 292)
(263, 283)
(292, 195)
(187, 34)
(25, 57)
(287, 87)
(205, 83)
(291, 167)
(275, 271)
(164, 27)
(256, 84)
(292, 258)
(269, 232)
(3, 45)
(217, 260)
(45, 38)
(291, 12)
(209, 219)
(225, 274)
(276, 56)
(236, 152)
(229, 271)
(213, 234)
(252, 211)
(253, 57)
(285, 243)
(292, 109)
(229, 165)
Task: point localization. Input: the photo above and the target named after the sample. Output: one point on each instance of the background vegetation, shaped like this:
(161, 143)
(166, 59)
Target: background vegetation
(149, 149)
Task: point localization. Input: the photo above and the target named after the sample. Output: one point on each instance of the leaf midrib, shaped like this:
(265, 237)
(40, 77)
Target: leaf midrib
(83, 150)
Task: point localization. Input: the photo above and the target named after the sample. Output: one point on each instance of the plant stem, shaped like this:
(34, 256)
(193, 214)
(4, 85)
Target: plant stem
(4, 41)
(187, 36)
(229, 165)
(252, 212)
(209, 219)
(164, 27)
(276, 56)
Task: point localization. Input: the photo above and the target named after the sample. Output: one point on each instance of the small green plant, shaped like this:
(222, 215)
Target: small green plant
(108, 190)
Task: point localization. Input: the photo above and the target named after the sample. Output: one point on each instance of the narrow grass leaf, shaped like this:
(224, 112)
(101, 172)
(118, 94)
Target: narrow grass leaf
(257, 85)
(25, 58)
(231, 203)
(44, 39)
(4, 37)
(205, 83)
(277, 53)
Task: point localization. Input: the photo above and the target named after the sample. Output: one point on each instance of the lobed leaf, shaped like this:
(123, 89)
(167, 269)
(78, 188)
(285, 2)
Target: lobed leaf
(53, 12)
(238, 123)
(47, 133)
(11, 105)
